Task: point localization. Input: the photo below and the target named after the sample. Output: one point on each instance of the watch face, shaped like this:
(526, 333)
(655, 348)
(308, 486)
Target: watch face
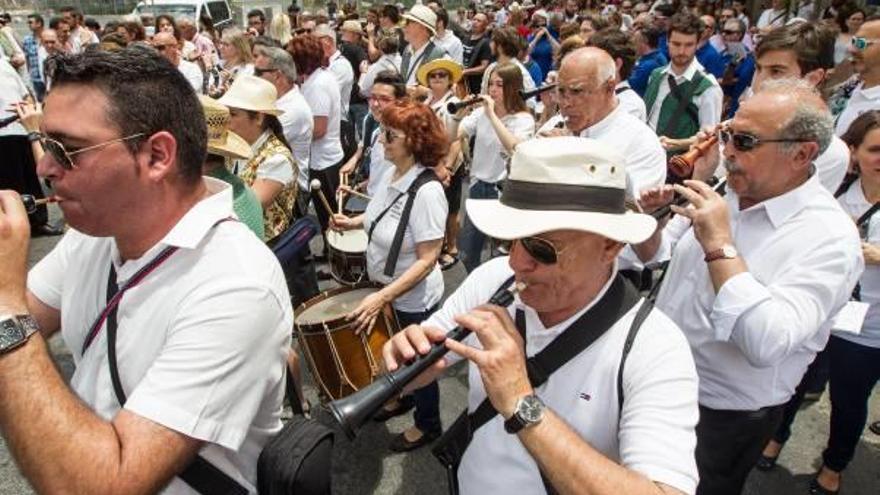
(10, 333)
(729, 251)
(531, 409)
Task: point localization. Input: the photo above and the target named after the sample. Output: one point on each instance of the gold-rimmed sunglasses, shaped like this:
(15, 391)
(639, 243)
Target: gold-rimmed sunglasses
(64, 157)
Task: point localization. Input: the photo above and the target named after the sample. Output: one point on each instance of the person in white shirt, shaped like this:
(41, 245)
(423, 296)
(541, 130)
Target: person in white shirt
(622, 49)
(420, 26)
(191, 383)
(505, 44)
(667, 114)
(446, 39)
(415, 143)
(389, 60)
(80, 36)
(588, 107)
(598, 426)
(497, 126)
(774, 17)
(169, 48)
(865, 54)
(338, 65)
(754, 278)
(321, 92)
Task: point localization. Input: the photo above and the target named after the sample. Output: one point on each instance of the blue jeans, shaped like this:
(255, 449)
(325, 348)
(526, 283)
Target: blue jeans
(855, 370)
(471, 240)
(427, 399)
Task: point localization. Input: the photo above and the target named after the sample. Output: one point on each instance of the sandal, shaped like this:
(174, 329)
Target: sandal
(448, 260)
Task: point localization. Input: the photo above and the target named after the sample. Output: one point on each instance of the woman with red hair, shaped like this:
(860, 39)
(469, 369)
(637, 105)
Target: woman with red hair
(415, 143)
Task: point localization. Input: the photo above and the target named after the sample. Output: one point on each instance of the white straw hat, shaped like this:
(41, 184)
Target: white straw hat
(424, 16)
(562, 183)
(251, 93)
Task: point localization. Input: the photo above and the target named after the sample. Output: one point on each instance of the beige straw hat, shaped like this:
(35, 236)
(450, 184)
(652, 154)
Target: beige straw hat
(251, 93)
(222, 141)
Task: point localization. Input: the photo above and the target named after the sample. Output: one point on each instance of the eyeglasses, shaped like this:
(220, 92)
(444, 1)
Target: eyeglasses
(860, 43)
(380, 98)
(540, 249)
(729, 32)
(748, 142)
(65, 158)
(390, 136)
(575, 91)
(259, 72)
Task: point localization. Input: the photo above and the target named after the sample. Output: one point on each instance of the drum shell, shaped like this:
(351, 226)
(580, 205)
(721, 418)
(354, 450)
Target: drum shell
(341, 362)
(348, 265)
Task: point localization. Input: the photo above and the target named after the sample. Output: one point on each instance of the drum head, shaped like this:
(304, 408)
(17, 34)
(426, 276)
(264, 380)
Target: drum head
(352, 241)
(355, 205)
(335, 306)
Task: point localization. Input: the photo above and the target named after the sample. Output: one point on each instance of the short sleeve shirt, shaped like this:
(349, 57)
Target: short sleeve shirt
(322, 93)
(489, 162)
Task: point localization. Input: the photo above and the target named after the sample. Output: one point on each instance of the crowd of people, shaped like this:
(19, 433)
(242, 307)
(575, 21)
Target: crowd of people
(668, 322)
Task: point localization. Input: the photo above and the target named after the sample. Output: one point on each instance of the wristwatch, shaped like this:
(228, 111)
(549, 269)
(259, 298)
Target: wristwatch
(529, 412)
(726, 252)
(15, 330)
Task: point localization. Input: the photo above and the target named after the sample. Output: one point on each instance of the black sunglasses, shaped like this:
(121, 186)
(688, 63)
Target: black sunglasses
(748, 142)
(63, 157)
(541, 250)
(390, 136)
(259, 72)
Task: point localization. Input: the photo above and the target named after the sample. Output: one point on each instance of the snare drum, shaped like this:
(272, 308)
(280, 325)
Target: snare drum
(340, 361)
(354, 205)
(347, 255)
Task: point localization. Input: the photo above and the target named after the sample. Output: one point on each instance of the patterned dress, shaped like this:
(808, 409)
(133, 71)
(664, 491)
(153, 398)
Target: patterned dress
(278, 215)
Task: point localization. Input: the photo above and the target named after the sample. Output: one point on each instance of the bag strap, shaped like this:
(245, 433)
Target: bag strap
(423, 178)
(684, 100)
(200, 475)
(868, 214)
(847, 182)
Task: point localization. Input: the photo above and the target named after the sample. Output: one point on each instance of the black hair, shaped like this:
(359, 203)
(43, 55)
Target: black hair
(92, 24)
(146, 94)
(652, 35)
(392, 78)
(442, 15)
(257, 13)
(38, 18)
(391, 12)
(55, 21)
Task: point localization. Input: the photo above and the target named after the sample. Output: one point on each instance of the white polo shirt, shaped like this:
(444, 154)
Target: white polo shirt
(753, 340)
(655, 434)
(427, 222)
(202, 341)
(298, 125)
(321, 92)
(860, 102)
(341, 69)
(489, 163)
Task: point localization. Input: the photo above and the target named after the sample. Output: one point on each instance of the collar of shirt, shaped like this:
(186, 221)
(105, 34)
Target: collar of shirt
(335, 55)
(868, 94)
(414, 55)
(441, 103)
(286, 97)
(688, 74)
(403, 183)
(602, 125)
(782, 207)
(189, 230)
(260, 141)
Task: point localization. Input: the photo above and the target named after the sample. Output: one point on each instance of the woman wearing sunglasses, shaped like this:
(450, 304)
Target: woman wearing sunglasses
(440, 77)
(414, 142)
(271, 172)
(501, 123)
(854, 358)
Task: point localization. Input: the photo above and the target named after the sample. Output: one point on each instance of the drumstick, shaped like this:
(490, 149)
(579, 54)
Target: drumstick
(355, 192)
(316, 186)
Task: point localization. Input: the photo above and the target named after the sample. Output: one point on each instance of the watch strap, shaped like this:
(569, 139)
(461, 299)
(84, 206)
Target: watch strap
(15, 330)
(724, 252)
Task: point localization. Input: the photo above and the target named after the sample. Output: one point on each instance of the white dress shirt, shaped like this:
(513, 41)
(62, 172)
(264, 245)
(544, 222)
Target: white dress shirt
(452, 45)
(771, 18)
(860, 102)
(709, 103)
(654, 433)
(385, 62)
(185, 360)
(321, 92)
(630, 101)
(831, 165)
(298, 124)
(192, 73)
(427, 222)
(12, 90)
(753, 341)
(341, 69)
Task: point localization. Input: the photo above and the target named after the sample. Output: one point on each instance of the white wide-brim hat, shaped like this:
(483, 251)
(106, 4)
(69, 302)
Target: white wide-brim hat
(251, 93)
(424, 16)
(562, 183)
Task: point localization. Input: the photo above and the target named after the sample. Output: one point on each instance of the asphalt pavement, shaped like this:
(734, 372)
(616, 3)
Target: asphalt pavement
(366, 466)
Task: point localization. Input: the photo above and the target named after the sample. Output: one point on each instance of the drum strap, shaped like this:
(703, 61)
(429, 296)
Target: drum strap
(425, 177)
(200, 475)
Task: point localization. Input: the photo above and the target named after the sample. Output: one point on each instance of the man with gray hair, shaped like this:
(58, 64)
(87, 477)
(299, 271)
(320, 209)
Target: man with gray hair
(755, 278)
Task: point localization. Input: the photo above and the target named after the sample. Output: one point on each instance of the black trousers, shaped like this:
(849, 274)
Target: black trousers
(19, 173)
(816, 375)
(329, 178)
(728, 445)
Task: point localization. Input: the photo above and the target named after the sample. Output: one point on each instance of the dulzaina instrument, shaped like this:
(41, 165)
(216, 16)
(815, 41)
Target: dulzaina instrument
(683, 165)
(535, 92)
(454, 106)
(31, 203)
(353, 411)
(715, 183)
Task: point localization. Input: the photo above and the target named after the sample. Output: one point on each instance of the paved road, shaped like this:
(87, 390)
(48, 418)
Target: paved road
(365, 466)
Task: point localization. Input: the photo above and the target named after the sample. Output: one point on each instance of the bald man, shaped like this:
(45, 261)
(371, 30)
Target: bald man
(755, 277)
(168, 46)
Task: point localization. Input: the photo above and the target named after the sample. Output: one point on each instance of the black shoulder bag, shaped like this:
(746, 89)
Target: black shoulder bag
(423, 178)
(619, 299)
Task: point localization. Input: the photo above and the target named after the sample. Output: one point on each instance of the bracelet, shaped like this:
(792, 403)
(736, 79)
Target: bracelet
(34, 136)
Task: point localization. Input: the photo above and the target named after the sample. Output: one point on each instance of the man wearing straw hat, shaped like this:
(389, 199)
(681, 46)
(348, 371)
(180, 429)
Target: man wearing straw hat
(563, 209)
(154, 279)
(421, 25)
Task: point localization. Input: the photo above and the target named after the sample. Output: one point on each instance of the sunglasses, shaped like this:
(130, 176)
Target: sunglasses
(748, 142)
(438, 75)
(860, 43)
(259, 72)
(541, 250)
(729, 32)
(390, 136)
(65, 158)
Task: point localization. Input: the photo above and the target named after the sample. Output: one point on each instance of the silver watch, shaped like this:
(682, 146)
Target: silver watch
(15, 330)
